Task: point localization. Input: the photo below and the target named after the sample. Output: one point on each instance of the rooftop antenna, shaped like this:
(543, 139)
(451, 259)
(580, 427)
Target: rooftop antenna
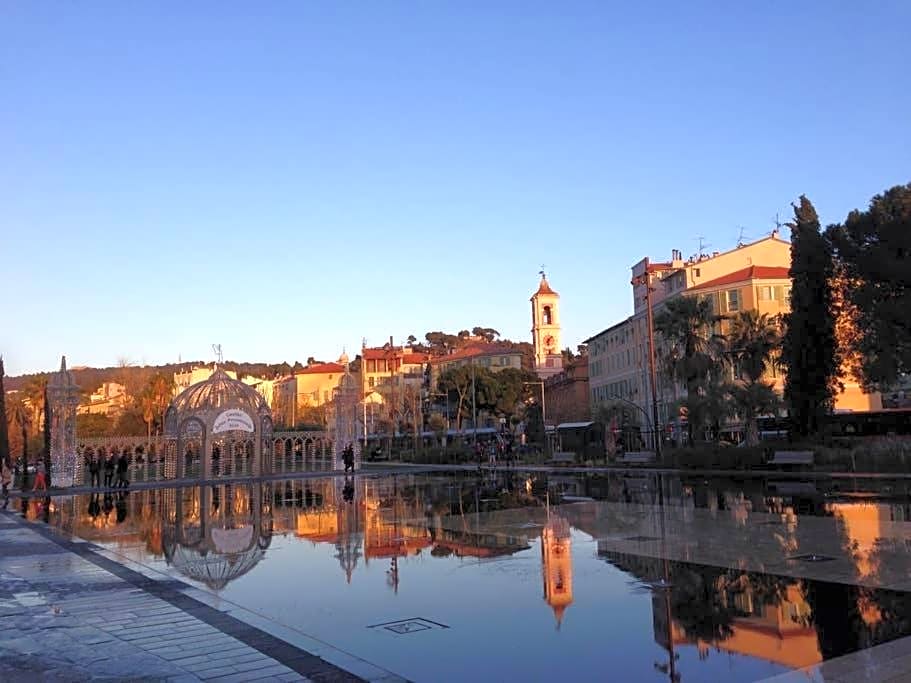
(742, 235)
(778, 225)
(703, 245)
(541, 272)
(219, 356)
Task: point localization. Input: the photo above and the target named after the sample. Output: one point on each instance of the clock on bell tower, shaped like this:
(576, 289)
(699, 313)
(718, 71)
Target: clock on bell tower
(545, 329)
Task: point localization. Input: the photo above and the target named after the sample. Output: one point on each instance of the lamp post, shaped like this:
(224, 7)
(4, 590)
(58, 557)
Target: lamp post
(648, 419)
(543, 409)
(446, 396)
(653, 378)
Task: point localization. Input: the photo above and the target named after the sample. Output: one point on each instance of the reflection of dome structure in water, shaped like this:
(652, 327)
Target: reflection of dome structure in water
(217, 534)
(220, 391)
(234, 553)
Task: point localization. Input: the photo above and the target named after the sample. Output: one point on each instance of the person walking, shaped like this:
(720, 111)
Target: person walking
(40, 478)
(122, 466)
(95, 471)
(109, 470)
(6, 478)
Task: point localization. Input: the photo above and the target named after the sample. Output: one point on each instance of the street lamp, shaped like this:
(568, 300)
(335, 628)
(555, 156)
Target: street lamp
(642, 410)
(543, 404)
(644, 280)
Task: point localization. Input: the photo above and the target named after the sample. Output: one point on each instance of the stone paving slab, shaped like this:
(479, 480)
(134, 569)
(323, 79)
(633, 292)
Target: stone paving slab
(67, 613)
(886, 663)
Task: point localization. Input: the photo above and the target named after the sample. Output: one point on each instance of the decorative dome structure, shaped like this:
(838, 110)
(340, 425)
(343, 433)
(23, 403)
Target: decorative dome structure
(220, 391)
(219, 427)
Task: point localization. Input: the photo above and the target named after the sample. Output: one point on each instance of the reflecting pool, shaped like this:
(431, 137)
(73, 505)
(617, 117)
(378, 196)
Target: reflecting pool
(539, 576)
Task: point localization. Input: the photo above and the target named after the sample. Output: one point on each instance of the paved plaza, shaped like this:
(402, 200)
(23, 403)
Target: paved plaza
(68, 613)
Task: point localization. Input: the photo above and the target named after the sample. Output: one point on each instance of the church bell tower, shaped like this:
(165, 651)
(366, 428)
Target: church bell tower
(545, 330)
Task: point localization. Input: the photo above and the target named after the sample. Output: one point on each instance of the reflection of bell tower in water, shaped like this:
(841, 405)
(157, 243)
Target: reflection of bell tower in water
(545, 330)
(557, 565)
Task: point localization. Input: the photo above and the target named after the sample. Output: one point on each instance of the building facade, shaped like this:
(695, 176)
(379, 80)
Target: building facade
(567, 393)
(750, 277)
(303, 396)
(108, 399)
(491, 356)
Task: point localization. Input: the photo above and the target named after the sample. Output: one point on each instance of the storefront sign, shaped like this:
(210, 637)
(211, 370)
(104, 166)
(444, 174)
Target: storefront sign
(233, 419)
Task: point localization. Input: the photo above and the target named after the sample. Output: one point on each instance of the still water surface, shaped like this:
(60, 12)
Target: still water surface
(458, 577)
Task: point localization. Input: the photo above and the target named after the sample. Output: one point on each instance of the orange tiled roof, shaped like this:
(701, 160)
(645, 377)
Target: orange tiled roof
(381, 352)
(321, 369)
(544, 287)
(749, 273)
(476, 351)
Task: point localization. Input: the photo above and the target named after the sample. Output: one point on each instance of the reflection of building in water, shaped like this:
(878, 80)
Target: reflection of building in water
(778, 633)
(214, 534)
(557, 564)
(861, 522)
(754, 615)
(393, 527)
(862, 525)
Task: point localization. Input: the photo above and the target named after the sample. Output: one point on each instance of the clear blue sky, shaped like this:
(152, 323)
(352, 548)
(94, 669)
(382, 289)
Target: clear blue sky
(287, 177)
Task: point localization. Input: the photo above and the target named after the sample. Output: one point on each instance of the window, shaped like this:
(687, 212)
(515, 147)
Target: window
(733, 299)
(548, 318)
(765, 293)
(787, 295)
(370, 381)
(697, 272)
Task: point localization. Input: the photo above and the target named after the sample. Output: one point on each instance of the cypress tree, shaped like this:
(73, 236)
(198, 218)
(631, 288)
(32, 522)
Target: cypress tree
(47, 439)
(808, 349)
(4, 434)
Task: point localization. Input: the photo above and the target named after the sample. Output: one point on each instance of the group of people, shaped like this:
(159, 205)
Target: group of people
(6, 479)
(109, 465)
(500, 448)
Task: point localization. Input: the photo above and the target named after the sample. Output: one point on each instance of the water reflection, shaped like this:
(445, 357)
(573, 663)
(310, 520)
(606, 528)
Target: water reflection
(414, 525)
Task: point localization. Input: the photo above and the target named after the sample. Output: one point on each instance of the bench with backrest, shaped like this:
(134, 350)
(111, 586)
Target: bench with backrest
(791, 458)
(636, 457)
(562, 458)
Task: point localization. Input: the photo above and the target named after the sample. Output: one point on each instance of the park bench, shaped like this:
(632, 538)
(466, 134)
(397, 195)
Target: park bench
(636, 457)
(791, 458)
(562, 458)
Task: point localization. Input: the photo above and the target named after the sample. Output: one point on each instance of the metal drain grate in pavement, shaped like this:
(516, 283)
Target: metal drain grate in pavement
(405, 626)
(812, 557)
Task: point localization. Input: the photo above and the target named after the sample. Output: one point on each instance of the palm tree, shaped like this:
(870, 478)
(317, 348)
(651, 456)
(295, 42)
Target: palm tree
(19, 415)
(686, 328)
(751, 346)
(34, 396)
(161, 388)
